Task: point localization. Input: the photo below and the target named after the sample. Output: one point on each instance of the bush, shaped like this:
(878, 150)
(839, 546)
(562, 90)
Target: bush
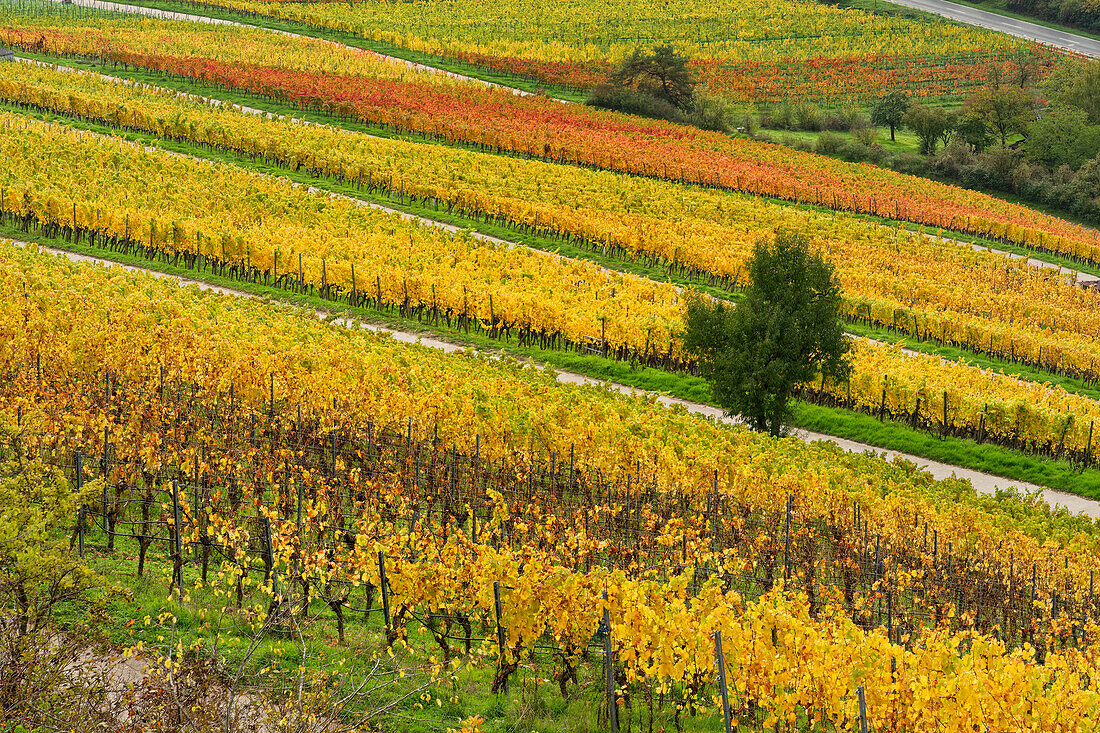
(858, 121)
(745, 123)
(782, 116)
(955, 156)
(976, 177)
(797, 143)
(1087, 181)
(867, 136)
(844, 119)
(712, 113)
(857, 152)
(829, 143)
(632, 101)
(910, 163)
(807, 116)
(999, 163)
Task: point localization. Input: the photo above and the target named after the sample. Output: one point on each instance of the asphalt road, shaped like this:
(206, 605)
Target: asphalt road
(1013, 27)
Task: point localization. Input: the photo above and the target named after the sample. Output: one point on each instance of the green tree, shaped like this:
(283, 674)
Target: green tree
(1063, 136)
(41, 678)
(785, 331)
(38, 514)
(1076, 82)
(1006, 110)
(973, 131)
(664, 74)
(931, 124)
(889, 111)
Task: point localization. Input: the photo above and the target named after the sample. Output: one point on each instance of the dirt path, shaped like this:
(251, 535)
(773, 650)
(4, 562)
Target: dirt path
(984, 483)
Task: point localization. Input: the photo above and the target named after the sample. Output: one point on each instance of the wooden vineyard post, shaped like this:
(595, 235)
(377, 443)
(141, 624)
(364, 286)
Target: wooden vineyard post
(1088, 448)
(273, 575)
(944, 434)
(385, 592)
(609, 671)
(723, 686)
(787, 539)
(299, 521)
(269, 559)
(177, 545)
(106, 510)
(79, 468)
(354, 299)
(862, 709)
(500, 632)
(889, 616)
(197, 495)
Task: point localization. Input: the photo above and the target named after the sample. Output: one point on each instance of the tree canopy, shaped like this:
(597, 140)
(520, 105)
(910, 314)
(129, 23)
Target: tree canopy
(786, 331)
(1006, 110)
(931, 125)
(889, 111)
(663, 74)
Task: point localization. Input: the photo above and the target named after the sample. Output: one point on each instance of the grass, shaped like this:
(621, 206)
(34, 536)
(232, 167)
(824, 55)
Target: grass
(532, 704)
(991, 459)
(905, 142)
(1012, 465)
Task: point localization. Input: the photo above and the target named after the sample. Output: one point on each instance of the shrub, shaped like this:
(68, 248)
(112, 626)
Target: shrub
(712, 113)
(999, 163)
(867, 136)
(829, 143)
(807, 116)
(632, 101)
(910, 163)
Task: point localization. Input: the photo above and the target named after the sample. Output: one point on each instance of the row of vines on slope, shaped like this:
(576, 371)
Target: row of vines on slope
(205, 216)
(323, 513)
(391, 95)
(919, 286)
